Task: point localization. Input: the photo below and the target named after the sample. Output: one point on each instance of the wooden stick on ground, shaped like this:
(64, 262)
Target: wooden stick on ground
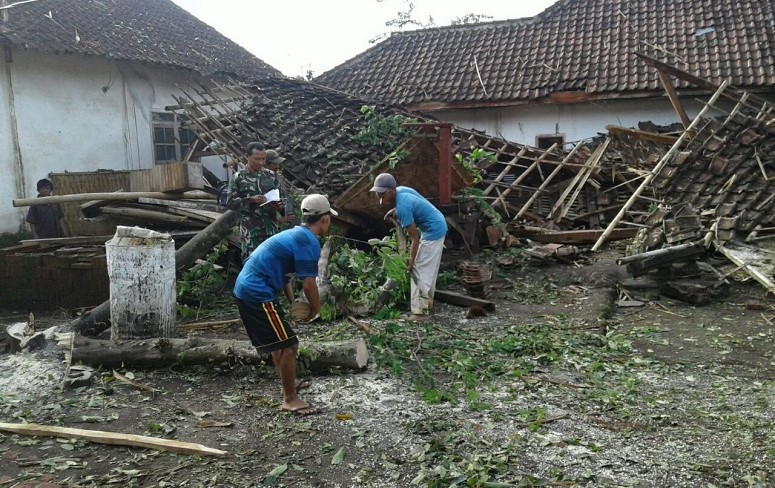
(208, 325)
(113, 438)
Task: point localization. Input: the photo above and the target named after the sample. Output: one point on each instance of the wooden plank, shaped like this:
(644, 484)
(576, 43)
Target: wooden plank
(575, 236)
(113, 438)
(181, 204)
(168, 177)
(675, 101)
(463, 300)
(141, 214)
(89, 209)
(70, 240)
(203, 215)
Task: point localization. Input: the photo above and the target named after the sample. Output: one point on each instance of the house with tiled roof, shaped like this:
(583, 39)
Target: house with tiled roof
(566, 73)
(84, 85)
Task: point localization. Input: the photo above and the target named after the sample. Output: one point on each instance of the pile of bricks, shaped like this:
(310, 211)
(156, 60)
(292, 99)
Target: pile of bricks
(38, 277)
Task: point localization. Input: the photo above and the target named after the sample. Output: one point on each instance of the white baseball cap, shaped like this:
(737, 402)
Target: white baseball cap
(316, 204)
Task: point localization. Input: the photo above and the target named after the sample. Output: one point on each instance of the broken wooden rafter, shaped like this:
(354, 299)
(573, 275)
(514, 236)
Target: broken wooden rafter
(520, 178)
(675, 101)
(579, 181)
(658, 168)
(640, 264)
(642, 135)
(548, 180)
(754, 261)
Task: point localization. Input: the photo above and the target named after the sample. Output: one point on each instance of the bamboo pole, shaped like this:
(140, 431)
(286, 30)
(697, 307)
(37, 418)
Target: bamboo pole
(591, 165)
(662, 163)
(502, 197)
(548, 180)
(124, 196)
(505, 171)
(568, 189)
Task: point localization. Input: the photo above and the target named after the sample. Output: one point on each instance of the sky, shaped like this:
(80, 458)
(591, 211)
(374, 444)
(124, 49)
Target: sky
(295, 36)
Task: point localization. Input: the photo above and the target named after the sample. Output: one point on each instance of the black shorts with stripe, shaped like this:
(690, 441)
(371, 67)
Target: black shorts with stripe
(266, 325)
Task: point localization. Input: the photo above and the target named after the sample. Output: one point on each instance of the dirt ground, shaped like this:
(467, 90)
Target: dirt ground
(559, 387)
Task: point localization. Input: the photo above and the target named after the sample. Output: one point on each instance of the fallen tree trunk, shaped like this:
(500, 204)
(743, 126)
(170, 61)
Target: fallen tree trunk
(159, 353)
(98, 319)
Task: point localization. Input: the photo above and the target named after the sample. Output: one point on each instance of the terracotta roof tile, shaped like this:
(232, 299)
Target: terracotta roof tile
(575, 45)
(153, 31)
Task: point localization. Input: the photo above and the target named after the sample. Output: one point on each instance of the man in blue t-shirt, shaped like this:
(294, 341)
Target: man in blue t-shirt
(266, 272)
(427, 228)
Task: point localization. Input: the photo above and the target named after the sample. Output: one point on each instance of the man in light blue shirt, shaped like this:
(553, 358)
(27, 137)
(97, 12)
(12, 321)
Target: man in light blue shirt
(427, 228)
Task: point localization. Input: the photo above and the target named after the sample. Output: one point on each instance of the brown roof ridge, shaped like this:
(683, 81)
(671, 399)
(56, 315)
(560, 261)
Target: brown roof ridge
(572, 46)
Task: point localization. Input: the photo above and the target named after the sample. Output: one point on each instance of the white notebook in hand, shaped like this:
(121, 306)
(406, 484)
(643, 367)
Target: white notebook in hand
(271, 196)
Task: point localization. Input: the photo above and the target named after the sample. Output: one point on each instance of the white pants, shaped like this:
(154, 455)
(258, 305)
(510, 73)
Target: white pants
(424, 274)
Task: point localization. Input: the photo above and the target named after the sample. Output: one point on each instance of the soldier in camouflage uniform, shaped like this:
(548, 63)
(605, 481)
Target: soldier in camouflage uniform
(273, 164)
(246, 194)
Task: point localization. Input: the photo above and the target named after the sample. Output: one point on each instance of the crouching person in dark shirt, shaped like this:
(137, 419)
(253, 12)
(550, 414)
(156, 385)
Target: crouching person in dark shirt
(46, 221)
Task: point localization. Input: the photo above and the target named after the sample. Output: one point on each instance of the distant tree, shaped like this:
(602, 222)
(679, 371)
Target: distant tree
(471, 19)
(405, 18)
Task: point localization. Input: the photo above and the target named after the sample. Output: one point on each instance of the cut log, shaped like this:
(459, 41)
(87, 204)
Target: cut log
(463, 300)
(98, 319)
(323, 356)
(113, 438)
(160, 353)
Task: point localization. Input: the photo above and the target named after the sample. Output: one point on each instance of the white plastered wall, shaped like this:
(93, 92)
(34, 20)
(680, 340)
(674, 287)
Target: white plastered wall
(76, 113)
(575, 121)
